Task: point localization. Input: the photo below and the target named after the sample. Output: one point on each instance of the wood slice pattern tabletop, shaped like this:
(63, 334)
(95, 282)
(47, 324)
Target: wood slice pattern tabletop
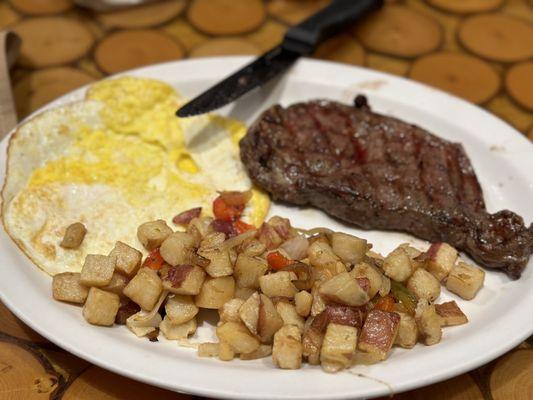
(480, 50)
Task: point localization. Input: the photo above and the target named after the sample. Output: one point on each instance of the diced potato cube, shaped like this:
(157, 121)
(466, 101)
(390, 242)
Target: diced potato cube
(407, 332)
(141, 324)
(364, 358)
(152, 234)
(375, 278)
(465, 280)
(127, 259)
(269, 319)
(398, 265)
(230, 310)
(180, 308)
(338, 347)
(253, 248)
(97, 270)
(238, 337)
(441, 259)
(343, 289)
(117, 284)
(312, 342)
(74, 236)
(220, 263)
(289, 315)
(185, 279)
(324, 260)
(428, 322)
(101, 307)
(225, 351)
(350, 249)
(144, 289)
(67, 287)
(318, 304)
(208, 350)
(450, 314)
(249, 312)
(215, 292)
(262, 351)
(303, 301)
(176, 249)
(278, 284)
(379, 332)
(177, 331)
(287, 349)
(243, 292)
(424, 285)
(248, 270)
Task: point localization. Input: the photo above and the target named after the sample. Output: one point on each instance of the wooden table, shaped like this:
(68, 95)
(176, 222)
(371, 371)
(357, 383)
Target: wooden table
(66, 47)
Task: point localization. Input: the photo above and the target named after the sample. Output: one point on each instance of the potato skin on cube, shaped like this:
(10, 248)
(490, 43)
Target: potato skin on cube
(152, 234)
(441, 259)
(176, 248)
(185, 279)
(450, 314)
(177, 331)
(101, 307)
(215, 292)
(248, 270)
(238, 337)
(180, 308)
(144, 289)
(364, 270)
(338, 347)
(97, 270)
(349, 248)
(343, 289)
(278, 284)
(303, 301)
(465, 280)
(398, 265)
(407, 331)
(127, 259)
(67, 287)
(379, 332)
(287, 349)
(424, 285)
(74, 236)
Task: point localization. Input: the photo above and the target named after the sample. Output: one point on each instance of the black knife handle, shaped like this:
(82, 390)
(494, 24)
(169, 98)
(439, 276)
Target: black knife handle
(306, 36)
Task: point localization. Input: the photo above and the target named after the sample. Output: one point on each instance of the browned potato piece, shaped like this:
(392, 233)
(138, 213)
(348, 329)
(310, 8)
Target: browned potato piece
(407, 332)
(379, 332)
(225, 351)
(450, 314)
(278, 284)
(465, 280)
(287, 349)
(249, 312)
(289, 315)
(180, 308)
(184, 279)
(74, 236)
(343, 289)
(398, 265)
(269, 320)
(152, 234)
(67, 287)
(117, 284)
(312, 342)
(375, 278)
(324, 260)
(215, 292)
(238, 337)
(248, 270)
(177, 331)
(127, 259)
(262, 351)
(101, 307)
(441, 259)
(338, 347)
(428, 322)
(349, 248)
(243, 292)
(144, 289)
(176, 248)
(424, 285)
(230, 310)
(208, 350)
(97, 270)
(220, 262)
(303, 301)
(318, 304)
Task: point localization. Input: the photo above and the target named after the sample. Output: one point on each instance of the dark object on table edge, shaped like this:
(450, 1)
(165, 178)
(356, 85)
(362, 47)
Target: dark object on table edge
(378, 172)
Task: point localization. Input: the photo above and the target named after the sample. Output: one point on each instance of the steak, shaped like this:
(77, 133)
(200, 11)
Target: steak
(378, 172)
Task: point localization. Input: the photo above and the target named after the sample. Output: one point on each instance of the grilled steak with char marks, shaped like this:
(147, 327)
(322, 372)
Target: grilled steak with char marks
(378, 172)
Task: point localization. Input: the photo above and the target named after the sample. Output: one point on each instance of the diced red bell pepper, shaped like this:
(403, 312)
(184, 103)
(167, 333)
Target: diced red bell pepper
(226, 212)
(154, 260)
(278, 261)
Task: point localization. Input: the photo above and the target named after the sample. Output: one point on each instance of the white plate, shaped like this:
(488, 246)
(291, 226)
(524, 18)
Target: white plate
(500, 316)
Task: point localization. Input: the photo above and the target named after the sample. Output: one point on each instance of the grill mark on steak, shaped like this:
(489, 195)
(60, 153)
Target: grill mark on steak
(378, 172)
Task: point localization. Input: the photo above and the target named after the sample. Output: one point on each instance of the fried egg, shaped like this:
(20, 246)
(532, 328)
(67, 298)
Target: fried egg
(113, 161)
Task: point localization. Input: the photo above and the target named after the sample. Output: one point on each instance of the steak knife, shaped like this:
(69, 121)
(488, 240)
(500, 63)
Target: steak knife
(300, 40)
